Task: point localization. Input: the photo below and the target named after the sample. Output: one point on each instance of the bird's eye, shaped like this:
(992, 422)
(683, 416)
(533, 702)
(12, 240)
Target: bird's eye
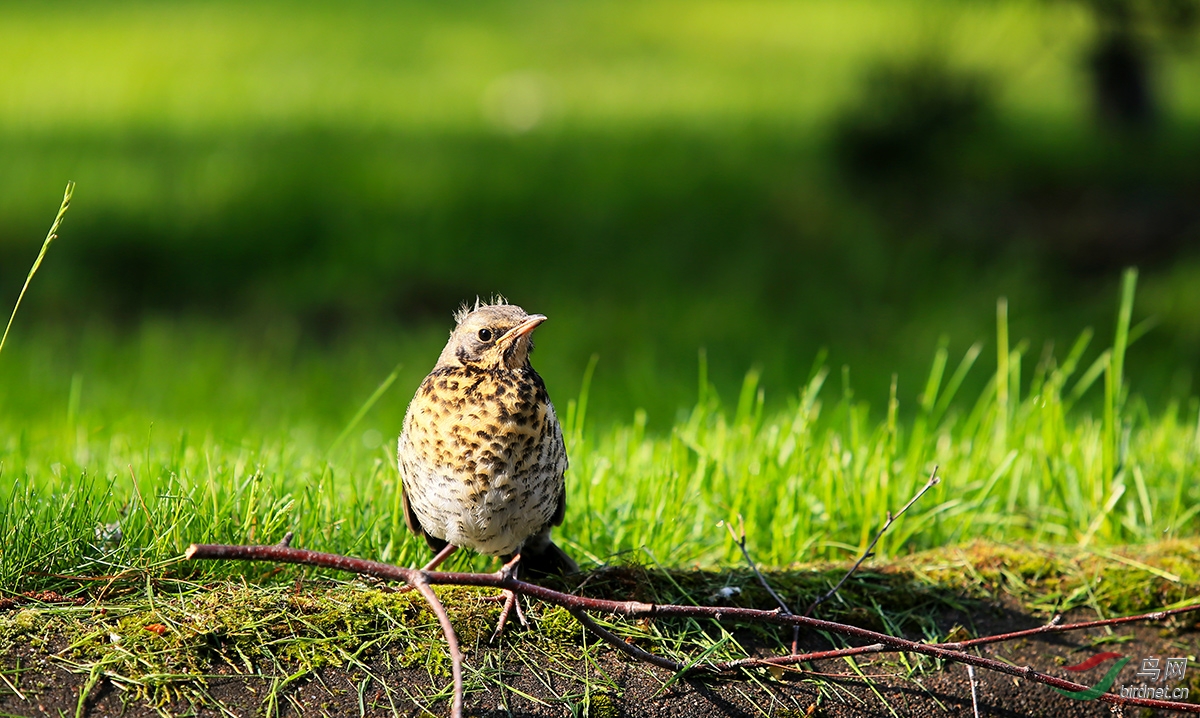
(485, 335)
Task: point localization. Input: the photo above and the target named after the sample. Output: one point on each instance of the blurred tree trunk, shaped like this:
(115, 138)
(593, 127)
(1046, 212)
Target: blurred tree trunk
(1122, 87)
(1130, 33)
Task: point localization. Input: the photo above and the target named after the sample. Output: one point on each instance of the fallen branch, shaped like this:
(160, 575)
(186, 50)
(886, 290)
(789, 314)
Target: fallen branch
(456, 656)
(627, 648)
(1053, 627)
(740, 539)
(933, 481)
(577, 605)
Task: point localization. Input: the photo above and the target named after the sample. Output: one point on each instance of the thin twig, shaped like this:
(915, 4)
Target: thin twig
(933, 481)
(627, 648)
(456, 656)
(740, 540)
(637, 609)
(1053, 627)
(974, 690)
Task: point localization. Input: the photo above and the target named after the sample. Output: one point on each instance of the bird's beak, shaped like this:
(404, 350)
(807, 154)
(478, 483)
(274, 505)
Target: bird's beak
(523, 329)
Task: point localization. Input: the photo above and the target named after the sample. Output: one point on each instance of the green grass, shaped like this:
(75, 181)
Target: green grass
(198, 68)
(340, 172)
(279, 203)
(1021, 460)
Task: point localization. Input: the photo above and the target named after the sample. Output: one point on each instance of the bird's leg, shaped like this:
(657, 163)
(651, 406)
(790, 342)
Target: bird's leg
(433, 563)
(507, 571)
(441, 556)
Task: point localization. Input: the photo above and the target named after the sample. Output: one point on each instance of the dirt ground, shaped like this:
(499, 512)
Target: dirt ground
(37, 684)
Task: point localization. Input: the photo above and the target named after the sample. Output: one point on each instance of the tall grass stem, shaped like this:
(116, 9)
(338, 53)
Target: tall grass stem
(50, 237)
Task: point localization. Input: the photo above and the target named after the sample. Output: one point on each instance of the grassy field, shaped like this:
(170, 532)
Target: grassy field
(656, 177)
(100, 486)
(794, 255)
(279, 205)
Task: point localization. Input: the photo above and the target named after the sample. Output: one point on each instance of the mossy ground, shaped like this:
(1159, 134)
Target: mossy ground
(174, 647)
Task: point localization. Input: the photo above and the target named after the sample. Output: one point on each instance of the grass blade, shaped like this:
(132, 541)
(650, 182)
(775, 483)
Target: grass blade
(956, 379)
(50, 237)
(362, 410)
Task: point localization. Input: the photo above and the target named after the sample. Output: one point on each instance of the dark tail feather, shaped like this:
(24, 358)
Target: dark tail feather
(545, 560)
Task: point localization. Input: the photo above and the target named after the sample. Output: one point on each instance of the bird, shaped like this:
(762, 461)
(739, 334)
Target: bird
(481, 454)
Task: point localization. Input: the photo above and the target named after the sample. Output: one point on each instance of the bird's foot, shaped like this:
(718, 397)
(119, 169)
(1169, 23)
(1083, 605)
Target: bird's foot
(511, 603)
(509, 570)
(440, 557)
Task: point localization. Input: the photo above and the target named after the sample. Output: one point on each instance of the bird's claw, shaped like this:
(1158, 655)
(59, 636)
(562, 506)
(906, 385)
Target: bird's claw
(506, 572)
(510, 604)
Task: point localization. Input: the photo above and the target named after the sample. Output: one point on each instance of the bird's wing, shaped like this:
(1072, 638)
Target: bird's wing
(414, 524)
(560, 510)
(410, 518)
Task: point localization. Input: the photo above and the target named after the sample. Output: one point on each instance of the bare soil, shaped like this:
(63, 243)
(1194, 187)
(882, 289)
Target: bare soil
(610, 684)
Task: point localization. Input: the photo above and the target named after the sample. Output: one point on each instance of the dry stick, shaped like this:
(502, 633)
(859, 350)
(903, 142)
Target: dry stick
(974, 692)
(740, 539)
(832, 592)
(933, 481)
(1054, 627)
(636, 609)
(419, 580)
(456, 656)
(956, 645)
(741, 542)
(627, 648)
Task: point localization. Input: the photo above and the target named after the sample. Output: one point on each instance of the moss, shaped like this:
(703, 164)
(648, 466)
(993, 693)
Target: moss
(26, 620)
(245, 626)
(558, 625)
(279, 630)
(602, 705)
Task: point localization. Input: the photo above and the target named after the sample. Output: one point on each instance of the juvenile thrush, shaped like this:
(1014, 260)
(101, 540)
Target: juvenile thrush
(482, 455)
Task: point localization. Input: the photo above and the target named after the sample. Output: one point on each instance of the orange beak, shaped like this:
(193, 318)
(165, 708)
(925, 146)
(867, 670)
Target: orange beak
(523, 329)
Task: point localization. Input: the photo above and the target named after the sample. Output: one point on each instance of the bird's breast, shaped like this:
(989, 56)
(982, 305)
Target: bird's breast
(485, 458)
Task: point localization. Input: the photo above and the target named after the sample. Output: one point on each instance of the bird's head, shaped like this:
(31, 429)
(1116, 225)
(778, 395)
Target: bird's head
(491, 336)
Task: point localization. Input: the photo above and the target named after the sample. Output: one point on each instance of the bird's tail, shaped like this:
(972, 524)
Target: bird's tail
(540, 559)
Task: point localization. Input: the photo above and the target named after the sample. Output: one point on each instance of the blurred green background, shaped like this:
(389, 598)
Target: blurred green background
(279, 202)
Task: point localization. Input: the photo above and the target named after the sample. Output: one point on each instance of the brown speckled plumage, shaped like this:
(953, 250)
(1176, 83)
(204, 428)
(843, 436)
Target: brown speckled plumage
(482, 455)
